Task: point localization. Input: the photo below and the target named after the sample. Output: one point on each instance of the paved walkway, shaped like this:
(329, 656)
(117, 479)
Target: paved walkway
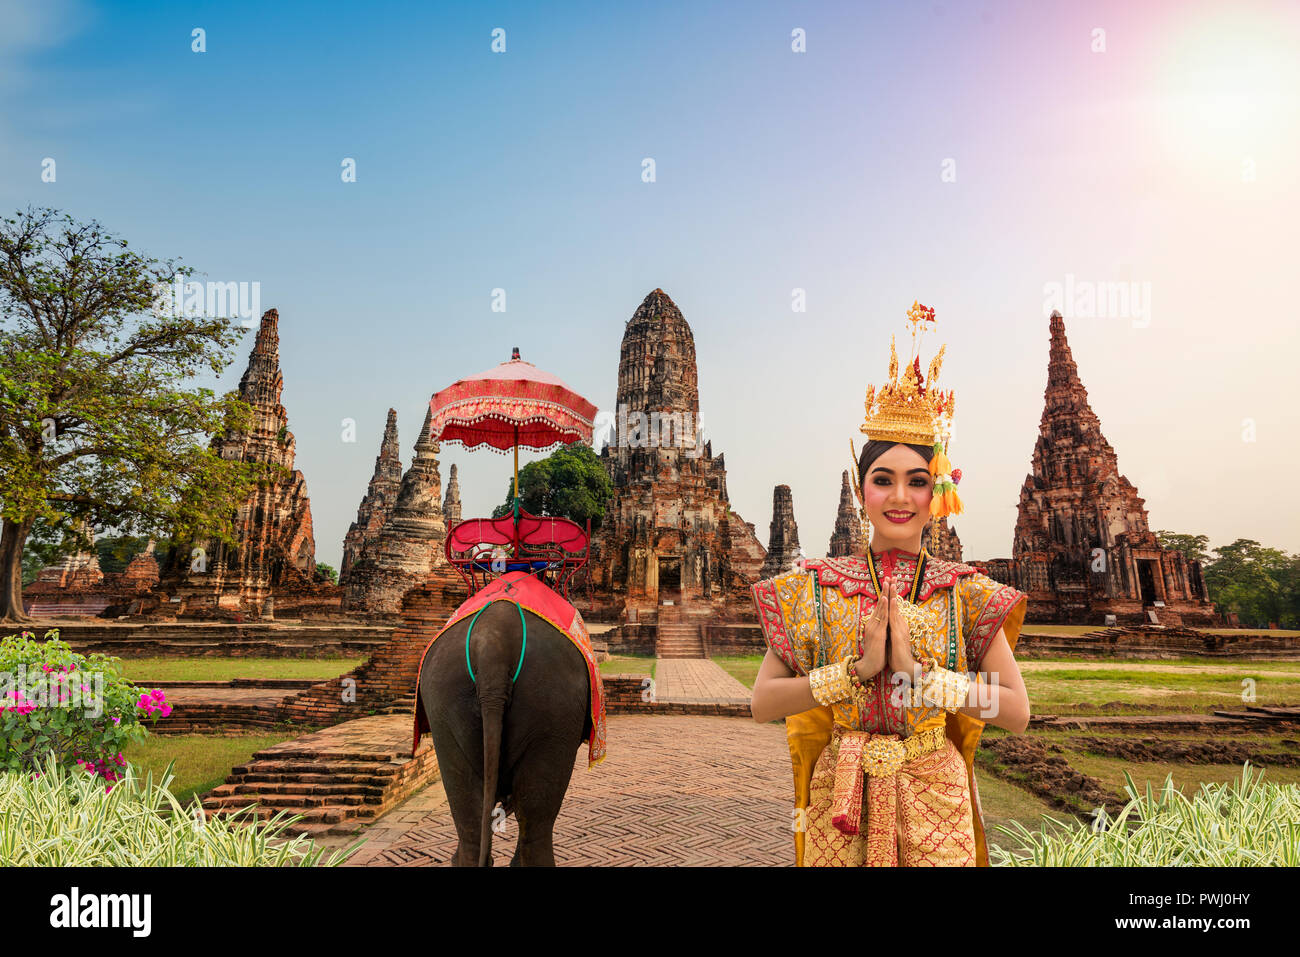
(672, 790)
(696, 681)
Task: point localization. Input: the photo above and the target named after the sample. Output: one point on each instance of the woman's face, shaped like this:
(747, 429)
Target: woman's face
(897, 492)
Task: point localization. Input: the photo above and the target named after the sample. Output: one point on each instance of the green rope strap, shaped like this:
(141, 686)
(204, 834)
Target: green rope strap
(522, 623)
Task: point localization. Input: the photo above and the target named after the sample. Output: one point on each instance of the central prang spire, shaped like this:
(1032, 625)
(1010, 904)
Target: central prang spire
(656, 368)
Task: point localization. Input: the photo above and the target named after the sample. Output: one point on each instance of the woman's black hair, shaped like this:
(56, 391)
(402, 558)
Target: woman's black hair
(874, 450)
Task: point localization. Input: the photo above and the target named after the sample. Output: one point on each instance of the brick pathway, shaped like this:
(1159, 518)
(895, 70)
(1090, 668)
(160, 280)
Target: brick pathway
(696, 681)
(671, 790)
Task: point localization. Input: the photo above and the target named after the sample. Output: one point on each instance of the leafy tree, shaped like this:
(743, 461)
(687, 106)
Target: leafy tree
(98, 419)
(569, 483)
(327, 573)
(1260, 584)
(1193, 546)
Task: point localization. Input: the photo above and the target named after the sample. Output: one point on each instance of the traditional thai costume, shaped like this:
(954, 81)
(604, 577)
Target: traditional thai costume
(884, 775)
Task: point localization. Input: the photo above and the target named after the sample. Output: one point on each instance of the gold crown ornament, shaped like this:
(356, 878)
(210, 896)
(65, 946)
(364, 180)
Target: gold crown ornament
(913, 412)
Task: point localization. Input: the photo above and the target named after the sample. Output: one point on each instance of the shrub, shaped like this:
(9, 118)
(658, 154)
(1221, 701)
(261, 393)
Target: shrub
(77, 708)
(1245, 823)
(59, 818)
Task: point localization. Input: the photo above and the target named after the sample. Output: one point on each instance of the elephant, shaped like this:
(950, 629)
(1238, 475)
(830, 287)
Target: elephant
(498, 738)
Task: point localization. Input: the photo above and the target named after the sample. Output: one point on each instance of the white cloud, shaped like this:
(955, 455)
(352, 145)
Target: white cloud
(32, 26)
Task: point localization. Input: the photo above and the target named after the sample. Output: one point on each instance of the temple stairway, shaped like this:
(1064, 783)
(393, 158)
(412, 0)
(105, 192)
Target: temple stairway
(675, 638)
(338, 779)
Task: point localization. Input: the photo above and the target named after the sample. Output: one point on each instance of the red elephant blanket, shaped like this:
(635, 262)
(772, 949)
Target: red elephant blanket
(525, 589)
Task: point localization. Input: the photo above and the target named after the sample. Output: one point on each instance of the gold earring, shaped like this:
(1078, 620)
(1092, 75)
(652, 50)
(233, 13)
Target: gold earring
(862, 500)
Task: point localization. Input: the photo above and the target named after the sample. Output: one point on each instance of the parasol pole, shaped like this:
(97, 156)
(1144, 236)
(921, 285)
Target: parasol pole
(515, 510)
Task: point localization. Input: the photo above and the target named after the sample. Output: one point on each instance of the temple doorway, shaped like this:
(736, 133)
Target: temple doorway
(1147, 581)
(670, 581)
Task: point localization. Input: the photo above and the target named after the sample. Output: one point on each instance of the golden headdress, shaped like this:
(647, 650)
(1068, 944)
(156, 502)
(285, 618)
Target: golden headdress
(913, 412)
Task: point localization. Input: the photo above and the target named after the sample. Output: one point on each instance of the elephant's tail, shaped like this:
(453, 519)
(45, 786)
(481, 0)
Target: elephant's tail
(491, 711)
(493, 688)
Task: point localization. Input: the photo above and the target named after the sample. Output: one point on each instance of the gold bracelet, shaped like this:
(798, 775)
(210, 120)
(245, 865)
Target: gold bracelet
(856, 688)
(943, 688)
(829, 683)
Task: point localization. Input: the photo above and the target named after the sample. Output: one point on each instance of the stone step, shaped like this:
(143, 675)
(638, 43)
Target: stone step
(258, 777)
(678, 640)
(316, 767)
(295, 787)
(327, 754)
(330, 814)
(293, 802)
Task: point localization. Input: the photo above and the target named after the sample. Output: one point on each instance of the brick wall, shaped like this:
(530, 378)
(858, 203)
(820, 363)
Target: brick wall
(390, 674)
(723, 639)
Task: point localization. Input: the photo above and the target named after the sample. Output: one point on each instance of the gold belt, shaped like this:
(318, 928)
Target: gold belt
(877, 755)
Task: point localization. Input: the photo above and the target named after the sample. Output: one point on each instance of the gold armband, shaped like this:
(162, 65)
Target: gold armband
(943, 688)
(830, 683)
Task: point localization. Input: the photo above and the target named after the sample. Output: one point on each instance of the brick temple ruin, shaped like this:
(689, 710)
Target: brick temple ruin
(404, 546)
(944, 543)
(379, 499)
(783, 535)
(77, 585)
(849, 536)
(669, 533)
(1083, 548)
(670, 549)
(275, 548)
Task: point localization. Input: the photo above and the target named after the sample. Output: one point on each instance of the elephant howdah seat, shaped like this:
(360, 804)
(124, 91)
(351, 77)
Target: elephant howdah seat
(551, 548)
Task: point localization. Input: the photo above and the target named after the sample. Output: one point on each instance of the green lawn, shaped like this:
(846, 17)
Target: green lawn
(1074, 686)
(628, 665)
(1187, 777)
(202, 760)
(1085, 629)
(744, 668)
(161, 670)
(1070, 686)
(1069, 737)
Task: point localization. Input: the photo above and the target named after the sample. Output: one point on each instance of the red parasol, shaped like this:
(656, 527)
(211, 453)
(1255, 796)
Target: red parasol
(511, 405)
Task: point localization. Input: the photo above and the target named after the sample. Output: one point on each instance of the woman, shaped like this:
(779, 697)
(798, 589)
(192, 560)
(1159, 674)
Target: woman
(888, 665)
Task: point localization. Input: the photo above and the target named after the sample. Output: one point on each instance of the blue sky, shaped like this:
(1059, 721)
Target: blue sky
(775, 171)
